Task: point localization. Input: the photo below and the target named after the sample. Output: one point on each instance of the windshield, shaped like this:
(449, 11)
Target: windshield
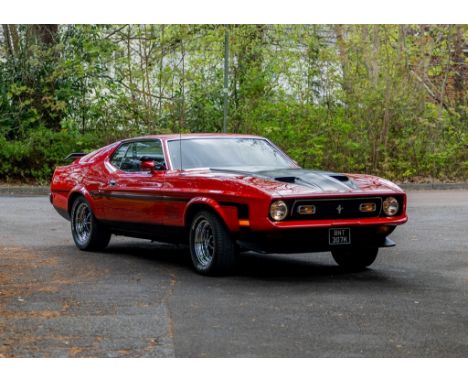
(224, 153)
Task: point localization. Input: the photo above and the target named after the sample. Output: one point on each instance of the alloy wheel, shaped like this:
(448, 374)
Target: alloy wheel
(204, 245)
(82, 223)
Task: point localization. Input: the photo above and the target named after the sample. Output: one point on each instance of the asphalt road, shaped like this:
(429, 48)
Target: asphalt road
(141, 299)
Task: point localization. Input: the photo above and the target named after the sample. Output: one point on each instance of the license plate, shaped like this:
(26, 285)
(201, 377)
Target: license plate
(339, 236)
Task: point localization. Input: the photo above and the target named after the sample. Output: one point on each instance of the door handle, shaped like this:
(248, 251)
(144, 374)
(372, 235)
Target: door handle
(112, 182)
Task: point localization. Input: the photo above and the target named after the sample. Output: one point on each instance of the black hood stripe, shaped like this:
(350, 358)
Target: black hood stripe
(313, 179)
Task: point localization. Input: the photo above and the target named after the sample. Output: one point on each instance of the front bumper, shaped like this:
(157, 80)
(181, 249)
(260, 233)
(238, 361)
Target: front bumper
(304, 224)
(314, 239)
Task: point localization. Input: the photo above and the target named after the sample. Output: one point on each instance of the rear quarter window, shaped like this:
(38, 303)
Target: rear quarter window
(119, 154)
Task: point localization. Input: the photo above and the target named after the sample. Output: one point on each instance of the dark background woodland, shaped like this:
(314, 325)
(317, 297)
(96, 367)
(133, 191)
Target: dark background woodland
(384, 99)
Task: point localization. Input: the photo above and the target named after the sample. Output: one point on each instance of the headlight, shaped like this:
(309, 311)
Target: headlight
(390, 206)
(278, 210)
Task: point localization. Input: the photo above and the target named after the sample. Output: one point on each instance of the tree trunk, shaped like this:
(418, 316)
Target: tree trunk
(161, 67)
(11, 39)
(45, 34)
(343, 55)
(459, 68)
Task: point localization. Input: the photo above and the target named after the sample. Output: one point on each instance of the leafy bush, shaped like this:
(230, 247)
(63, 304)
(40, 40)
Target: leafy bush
(35, 156)
(382, 99)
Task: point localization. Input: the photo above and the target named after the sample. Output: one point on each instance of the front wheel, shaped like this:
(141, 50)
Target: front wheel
(356, 259)
(212, 248)
(88, 233)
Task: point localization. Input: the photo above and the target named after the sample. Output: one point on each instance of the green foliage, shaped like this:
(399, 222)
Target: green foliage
(384, 99)
(40, 150)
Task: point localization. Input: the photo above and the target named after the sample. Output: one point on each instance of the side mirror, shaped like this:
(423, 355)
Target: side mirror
(151, 165)
(147, 165)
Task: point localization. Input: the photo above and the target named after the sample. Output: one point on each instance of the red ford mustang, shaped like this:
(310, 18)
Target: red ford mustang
(222, 194)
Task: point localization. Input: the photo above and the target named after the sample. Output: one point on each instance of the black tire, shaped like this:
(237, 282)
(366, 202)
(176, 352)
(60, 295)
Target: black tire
(88, 233)
(220, 256)
(355, 259)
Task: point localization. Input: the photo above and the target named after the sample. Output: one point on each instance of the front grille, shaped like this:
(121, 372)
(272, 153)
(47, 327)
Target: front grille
(335, 208)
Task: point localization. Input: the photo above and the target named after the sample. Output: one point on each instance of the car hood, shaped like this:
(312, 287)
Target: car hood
(298, 181)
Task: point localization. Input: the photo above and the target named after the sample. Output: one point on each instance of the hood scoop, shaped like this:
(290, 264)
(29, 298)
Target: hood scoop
(341, 178)
(313, 179)
(286, 179)
(299, 181)
(322, 181)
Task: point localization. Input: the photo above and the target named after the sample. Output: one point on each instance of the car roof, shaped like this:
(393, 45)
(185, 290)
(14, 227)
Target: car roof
(167, 137)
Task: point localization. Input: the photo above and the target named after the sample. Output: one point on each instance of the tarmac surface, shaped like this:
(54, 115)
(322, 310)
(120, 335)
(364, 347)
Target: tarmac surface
(142, 299)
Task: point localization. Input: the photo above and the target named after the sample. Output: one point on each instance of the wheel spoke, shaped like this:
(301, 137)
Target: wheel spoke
(203, 242)
(82, 222)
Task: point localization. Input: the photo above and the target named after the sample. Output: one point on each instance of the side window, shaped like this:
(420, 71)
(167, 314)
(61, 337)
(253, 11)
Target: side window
(151, 150)
(128, 156)
(119, 154)
(130, 162)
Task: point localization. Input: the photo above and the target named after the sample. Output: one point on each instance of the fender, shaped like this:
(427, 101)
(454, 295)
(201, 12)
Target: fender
(228, 214)
(82, 191)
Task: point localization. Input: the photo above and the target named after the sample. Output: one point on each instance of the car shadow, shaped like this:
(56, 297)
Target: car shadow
(173, 256)
(265, 266)
(251, 265)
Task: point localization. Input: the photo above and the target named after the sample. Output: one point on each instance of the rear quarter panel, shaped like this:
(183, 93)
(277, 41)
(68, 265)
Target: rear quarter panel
(80, 177)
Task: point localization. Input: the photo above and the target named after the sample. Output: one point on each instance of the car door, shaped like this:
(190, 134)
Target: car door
(131, 194)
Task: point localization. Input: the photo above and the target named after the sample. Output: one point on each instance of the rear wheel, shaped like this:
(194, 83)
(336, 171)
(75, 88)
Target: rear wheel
(88, 233)
(356, 259)
(212, 248)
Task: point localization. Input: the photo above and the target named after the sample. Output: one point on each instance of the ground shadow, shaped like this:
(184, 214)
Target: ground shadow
(251, 265)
